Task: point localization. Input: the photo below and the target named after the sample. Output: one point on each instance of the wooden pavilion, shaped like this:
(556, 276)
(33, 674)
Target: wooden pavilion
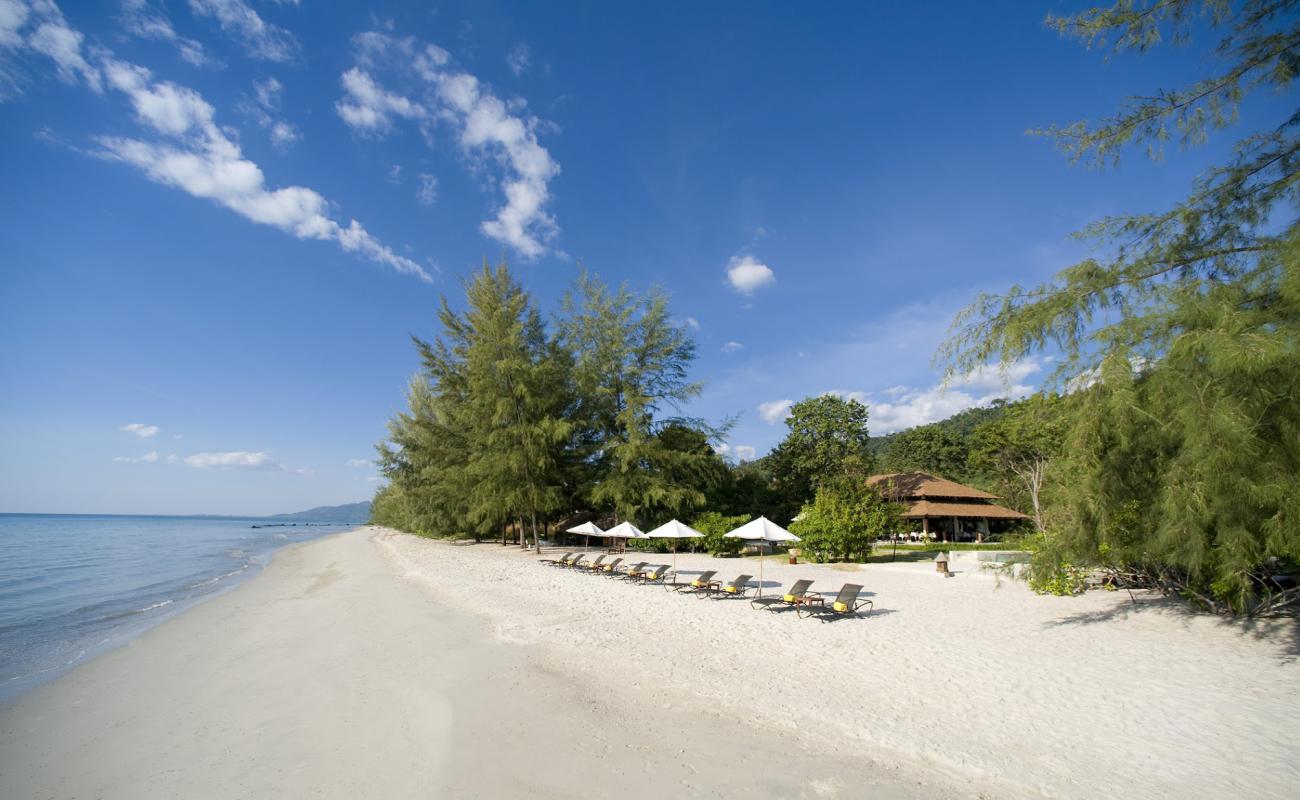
(950, 510)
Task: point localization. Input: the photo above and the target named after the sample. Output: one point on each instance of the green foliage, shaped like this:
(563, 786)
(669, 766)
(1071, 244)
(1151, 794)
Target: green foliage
(826, 441)
(1183, 450)
(844, 520)
(927, 448)
(506, 425)
(714, 526)
(1016, 451)
(630, 364)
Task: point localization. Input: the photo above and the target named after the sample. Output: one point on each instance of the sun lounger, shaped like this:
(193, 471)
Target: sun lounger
(681, 583)
(653, 576)
(577, 561)
(791, 599)
(595, 566)
(562, 561)
(846, 604)
(610, 566)
(633, 571)
(737, 588)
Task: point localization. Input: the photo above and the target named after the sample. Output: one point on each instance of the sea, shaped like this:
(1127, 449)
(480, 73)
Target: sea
(75, 586)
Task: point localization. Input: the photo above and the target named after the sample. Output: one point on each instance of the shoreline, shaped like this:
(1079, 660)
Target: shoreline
(331, 675)
(375, 663)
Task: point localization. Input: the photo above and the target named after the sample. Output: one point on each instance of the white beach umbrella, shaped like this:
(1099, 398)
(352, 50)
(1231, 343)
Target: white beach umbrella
(762, 530)
(588, 528)
(674, 530)
(625, 530)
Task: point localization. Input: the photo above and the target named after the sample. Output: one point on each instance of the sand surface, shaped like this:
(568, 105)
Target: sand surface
(964, 686)
(339, 673)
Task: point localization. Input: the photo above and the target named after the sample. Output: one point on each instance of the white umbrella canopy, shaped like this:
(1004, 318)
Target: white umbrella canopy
(590, 529)
(762, 530)
(674, 530)
(625, 530)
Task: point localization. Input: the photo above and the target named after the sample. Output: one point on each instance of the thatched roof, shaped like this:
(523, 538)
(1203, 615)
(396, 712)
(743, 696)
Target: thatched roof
(929, 508)
(922, 485)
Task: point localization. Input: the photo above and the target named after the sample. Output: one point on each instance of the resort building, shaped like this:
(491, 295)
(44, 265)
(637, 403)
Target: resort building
(945, 509)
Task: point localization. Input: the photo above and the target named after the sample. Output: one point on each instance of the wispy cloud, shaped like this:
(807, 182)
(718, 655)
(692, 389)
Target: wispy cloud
(148, 458)
(519, 58)
(140, 429)
(41, 28)
(775, 411)
(359, 462)
(738, 452)
(747, 274)
(142, 20)
(426, 194)
(235, 460)
(205, 163)
(264, 109)
(194, 153)
(489, 130)
(910, 407)
(259, 38)
(692, 323)
(731, 347)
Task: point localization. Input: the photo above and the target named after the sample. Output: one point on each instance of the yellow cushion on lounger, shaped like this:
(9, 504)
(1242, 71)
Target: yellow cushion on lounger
(840, 607)
(731, 589)
(697, 584)
(789, 598)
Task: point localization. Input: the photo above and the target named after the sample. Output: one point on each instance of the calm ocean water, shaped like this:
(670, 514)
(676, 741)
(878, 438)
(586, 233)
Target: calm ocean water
(73, 586)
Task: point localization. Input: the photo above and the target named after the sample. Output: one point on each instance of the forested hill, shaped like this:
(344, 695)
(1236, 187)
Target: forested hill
(959, 426)
(349, 513)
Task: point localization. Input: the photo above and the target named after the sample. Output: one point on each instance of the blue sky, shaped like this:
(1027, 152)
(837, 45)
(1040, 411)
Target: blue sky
(220, 219)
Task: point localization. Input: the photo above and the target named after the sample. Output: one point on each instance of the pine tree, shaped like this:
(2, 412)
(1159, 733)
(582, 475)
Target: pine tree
(1184, 457)
(630, 367)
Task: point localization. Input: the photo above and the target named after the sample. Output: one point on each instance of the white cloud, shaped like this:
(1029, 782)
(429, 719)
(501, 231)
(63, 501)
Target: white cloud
(692, 323)
(731, 347)
(205, 163)
(359, 462)
(775, 411)
(489, 130)
(142, 20)
(747, 274)
(40, 27)
(395, 174)
(235, 460)
(368, 108)
(741, 452)
(140, 429)
(908, 408)
(264, 110)
(148, 458)
(427, 192)
(258, 37)
(519, 57)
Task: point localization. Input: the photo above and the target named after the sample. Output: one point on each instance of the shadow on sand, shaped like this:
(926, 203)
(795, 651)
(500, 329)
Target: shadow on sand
(1282, 632)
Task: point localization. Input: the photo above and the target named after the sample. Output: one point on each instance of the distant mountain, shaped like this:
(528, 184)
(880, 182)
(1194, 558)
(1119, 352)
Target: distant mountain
(350, 513)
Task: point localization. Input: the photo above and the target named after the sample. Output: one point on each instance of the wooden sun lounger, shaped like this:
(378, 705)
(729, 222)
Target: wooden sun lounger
(562, 561)
(653, 576)
(576, 562)
(596, 565)
(611, 566)
(791, 599)
(846, 604)
(633, 571)
(736, 588)
(697, 583)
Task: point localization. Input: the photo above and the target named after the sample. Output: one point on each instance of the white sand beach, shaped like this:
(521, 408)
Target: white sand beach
(376, 664)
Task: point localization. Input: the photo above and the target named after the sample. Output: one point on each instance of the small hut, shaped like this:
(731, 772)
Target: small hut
(946, 509)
